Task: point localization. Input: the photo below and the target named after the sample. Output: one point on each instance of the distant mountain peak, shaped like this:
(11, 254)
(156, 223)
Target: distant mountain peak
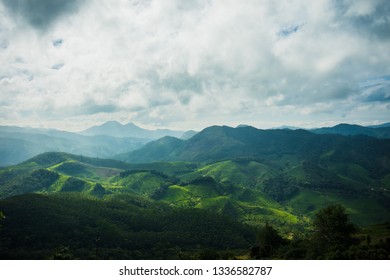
(116, 129)
(188, 134)
(112, 123)
(131, 124)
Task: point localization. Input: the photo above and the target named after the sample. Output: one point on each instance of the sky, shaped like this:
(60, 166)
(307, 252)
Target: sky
(71, 64)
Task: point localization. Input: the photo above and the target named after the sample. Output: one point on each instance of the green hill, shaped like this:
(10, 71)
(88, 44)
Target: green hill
(80, 227)
(251, 190)
(381, 131)
(219, 143)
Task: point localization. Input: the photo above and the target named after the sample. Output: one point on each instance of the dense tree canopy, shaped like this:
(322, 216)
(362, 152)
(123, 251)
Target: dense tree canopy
(333, 227)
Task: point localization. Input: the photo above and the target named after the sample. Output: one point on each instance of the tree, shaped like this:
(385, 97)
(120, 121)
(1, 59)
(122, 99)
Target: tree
(268, 240)
(333, 228)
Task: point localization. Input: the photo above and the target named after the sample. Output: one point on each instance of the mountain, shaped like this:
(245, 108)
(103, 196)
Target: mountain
(116, 129)
(163, 149)
(221, 142)
(287, 127)
(380, 131)
(188, 134)
(296, 168)
(380, 125)
(18, 144)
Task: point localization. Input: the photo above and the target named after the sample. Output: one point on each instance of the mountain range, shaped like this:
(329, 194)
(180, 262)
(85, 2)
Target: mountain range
(282, 165)
(115, 140)
(240, 177)
(19, 144)
(379, 131)
(105, 141)
(222, 142)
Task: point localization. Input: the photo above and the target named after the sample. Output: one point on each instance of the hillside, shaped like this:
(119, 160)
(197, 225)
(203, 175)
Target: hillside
(300, 170)
(68, 226)
(251, 190)
(64, 173)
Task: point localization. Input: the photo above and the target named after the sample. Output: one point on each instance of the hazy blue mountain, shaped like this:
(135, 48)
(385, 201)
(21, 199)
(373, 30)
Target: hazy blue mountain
(163, 149)
(13, 150)
(19, 144)
(380, 125)
(379, 131)
(188, 134)
(287, 127)
(116, 129)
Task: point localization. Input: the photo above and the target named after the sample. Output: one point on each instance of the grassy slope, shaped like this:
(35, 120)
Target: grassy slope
(234, 187)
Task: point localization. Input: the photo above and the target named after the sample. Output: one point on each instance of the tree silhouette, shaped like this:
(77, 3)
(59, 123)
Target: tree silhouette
(268, 240)
(333, 228)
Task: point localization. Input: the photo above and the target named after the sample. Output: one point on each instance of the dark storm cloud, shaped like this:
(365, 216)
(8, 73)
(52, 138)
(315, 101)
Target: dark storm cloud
(41, 14)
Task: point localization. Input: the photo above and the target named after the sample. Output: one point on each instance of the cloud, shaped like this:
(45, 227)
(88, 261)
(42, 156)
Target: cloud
(189, 64)
(368, 17)
(3, 44)
(41, 14)
(376, 90)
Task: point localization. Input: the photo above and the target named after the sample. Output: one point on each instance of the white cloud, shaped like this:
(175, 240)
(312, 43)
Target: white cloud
(189, 64)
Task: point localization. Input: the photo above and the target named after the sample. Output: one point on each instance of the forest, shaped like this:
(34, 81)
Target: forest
(69, 226)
